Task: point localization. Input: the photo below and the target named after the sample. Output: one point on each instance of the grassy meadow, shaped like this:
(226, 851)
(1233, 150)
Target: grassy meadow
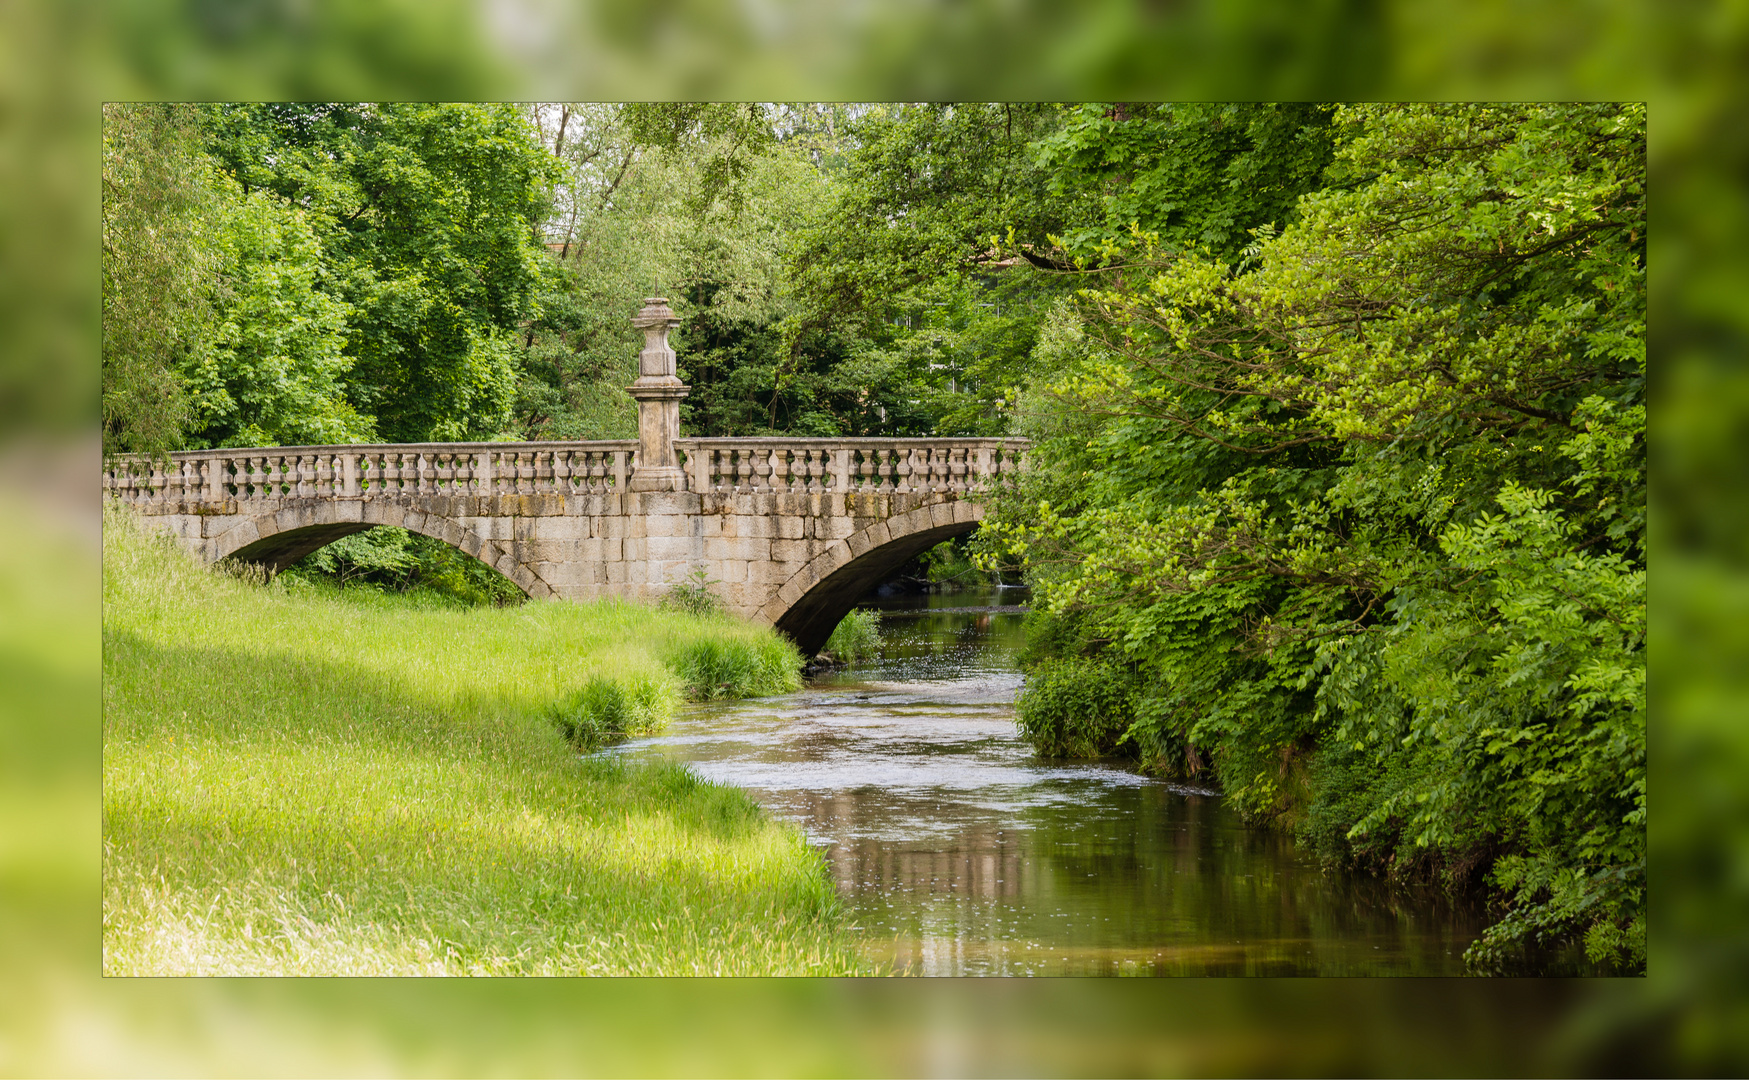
(311, 782)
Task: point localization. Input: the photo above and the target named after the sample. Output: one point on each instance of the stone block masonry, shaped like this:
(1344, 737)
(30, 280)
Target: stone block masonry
(790, 531)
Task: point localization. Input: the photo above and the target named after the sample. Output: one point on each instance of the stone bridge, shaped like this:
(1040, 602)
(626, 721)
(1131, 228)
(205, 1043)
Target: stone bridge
(790, 532)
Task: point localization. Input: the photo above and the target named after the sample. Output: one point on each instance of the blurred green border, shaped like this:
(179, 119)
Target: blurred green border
(59, 61)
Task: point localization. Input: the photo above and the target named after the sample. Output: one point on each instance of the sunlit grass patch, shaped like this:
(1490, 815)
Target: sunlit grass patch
(302, 784)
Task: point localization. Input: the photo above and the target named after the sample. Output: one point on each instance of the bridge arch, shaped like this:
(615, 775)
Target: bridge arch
(816, 598)
(278, 539)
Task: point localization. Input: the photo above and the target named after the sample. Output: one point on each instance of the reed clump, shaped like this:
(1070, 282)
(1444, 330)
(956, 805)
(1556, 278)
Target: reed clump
(296, 782)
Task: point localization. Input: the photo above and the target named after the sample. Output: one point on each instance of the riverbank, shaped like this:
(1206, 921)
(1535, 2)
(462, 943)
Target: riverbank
(299, 783)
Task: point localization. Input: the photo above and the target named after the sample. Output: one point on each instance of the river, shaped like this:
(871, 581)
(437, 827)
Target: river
(959, 852)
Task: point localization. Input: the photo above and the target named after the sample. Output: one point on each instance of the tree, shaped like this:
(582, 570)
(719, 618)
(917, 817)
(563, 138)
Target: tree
(426, 216)
(1361, 513)
(160, 213)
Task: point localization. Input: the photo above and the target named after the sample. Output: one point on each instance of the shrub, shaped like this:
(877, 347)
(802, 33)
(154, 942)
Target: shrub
(1073, 706)
(856, 636)
(692, 594)
(717, 667)
(948, 566)
(605, 709)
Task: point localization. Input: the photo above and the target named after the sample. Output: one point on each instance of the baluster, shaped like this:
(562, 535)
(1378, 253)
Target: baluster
(562, 471)
(426, 474)
(737, 473)
(782, 471)
(864, 479)
(818, 468)
(713, 469)
(698, 471)
(391, 474)
(304, 476)
(795, 470)
(173, 482)
(957, 468)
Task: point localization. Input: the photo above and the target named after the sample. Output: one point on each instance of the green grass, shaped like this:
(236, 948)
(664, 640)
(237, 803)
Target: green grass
(297, 782)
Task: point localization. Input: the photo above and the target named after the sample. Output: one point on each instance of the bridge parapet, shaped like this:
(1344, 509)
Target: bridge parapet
(214, 477)
(815, 466)
(720, 466)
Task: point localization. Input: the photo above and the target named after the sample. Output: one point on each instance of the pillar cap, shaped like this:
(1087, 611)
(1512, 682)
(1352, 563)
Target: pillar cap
(656, 312)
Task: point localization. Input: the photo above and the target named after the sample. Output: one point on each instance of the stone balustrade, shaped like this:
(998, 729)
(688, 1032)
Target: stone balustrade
(721, 466)
(360, 471)
(810, 466)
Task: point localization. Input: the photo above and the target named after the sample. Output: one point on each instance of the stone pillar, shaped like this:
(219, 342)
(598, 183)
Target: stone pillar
(658, 392)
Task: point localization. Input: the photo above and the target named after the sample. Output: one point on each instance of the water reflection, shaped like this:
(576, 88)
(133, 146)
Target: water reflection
(960, 853)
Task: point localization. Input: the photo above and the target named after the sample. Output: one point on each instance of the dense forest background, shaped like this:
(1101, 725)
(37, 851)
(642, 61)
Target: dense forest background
(1338, 497)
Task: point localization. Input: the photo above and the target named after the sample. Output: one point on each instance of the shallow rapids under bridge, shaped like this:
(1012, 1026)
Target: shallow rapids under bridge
(789, 531)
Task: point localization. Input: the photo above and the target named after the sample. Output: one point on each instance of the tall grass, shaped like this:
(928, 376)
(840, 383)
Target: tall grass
(299, 783)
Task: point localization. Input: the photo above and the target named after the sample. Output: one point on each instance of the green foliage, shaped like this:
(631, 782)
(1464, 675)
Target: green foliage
(693, 595)
(162, 209)
(1194, 176)
(1077, 707)
(1365, 505)
(914, 313)
(711, 668)
(947, 565)
(856, 636)
(392, 559)
(426, 219)
(272, 369)
(606, 709)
